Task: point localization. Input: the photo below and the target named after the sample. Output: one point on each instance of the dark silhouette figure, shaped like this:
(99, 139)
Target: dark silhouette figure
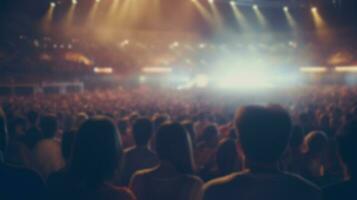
(173, 178)
(140, 156)
(348, 151)
(17, 183)
(93, 165)
(264, 134)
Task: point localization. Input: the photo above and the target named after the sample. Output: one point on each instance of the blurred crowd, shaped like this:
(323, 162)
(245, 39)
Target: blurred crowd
(154, 144)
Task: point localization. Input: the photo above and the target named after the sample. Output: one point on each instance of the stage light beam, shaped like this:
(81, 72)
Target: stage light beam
(289, 18)
(239, 15)
(321, 28)
(203, 11)
(259, 15)
(217, 18)
(48, 18)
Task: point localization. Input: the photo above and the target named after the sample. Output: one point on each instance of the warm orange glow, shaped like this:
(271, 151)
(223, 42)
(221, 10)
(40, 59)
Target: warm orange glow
(352, 69)
(313, 69)
(48, 18)
(157, 69)
(103, 70)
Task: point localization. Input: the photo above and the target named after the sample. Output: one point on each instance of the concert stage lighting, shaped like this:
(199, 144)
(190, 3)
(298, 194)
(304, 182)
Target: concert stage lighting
(317, 69)
(313, 9)
(289, 17)
(260, 16)
(53, 4)
(74, 1)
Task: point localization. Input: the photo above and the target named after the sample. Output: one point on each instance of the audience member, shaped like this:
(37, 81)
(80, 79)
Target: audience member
(47, 155)
(346, 190)
(94, 163)
(140, 156)
(264, 134)
(173, 179)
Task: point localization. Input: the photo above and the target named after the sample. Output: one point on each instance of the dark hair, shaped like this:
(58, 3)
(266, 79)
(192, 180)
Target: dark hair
(142, 131)
(297, 137)
(173, 144)
(227, 157)
(263, 132)
(48, 125)
(96, 152)
(347, 146)
(68, 138)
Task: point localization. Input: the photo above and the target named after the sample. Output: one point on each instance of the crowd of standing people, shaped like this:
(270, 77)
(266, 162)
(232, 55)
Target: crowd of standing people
(180, 145)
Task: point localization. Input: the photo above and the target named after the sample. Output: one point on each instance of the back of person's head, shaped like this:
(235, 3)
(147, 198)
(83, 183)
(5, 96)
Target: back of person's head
(347, 141)
(96, 153)
(142, 131)
(48, 126)
(3, 131)
(122, 126)
(210, 135)
(68, 138)
(315, 143)
(297, 138)
(173, 145)
(227, 157)
(264, 132)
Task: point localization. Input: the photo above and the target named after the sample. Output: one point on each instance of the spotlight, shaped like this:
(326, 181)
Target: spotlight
(74, 1)
(286, 9)
(97, 1)
(53, 4)
(233, 3)
(314, 9)
(211, 1)
(255, 6)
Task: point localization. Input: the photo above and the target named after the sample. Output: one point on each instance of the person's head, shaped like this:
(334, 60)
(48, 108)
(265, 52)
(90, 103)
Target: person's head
(264, 133)
(315, 144)
(48, 126)
(142, 131)
(67, 143)
(173, 145)
(96, 152)
(210, 135)
(297, 138)
(347, 146)
(227, 157)
(122, 126)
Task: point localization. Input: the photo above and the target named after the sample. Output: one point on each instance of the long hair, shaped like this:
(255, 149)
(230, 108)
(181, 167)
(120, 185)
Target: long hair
(96, 152)
(173, 144)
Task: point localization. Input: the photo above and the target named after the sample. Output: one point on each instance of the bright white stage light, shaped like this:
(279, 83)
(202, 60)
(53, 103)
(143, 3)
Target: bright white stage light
(201, 81)
(245, 80)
